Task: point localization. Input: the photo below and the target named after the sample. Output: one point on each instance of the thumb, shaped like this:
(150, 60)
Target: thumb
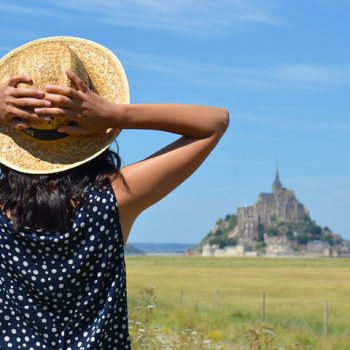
(19, 78)
(18, 124)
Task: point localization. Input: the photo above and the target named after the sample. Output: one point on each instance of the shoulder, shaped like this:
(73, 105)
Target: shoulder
(119, 188)
(127, 215)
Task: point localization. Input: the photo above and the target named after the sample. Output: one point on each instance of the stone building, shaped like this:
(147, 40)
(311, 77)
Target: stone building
(238, 250)
(280, 205)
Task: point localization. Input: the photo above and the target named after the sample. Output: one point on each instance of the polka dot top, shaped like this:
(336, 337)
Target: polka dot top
(66, 290)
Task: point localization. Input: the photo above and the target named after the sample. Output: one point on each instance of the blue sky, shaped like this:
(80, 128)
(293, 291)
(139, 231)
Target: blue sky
(281, 67)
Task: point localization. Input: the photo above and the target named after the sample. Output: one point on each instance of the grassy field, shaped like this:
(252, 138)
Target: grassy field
(225, 296)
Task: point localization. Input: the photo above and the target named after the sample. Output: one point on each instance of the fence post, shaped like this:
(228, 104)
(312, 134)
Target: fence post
(325, 318)
(218, 297)
(181, 297)
(263, 307)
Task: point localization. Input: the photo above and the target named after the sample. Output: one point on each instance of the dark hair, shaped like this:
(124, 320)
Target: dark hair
(43, 201)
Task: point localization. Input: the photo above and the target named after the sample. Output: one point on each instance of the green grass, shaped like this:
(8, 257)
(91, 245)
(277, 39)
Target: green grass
(225, 294)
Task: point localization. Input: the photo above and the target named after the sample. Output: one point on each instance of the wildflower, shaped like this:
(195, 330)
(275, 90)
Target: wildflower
(269, 331)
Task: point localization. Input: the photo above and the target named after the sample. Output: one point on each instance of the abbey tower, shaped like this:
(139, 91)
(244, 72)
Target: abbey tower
(280, 205)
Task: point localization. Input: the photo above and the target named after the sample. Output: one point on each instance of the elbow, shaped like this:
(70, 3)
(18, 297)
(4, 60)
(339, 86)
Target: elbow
(224, 120)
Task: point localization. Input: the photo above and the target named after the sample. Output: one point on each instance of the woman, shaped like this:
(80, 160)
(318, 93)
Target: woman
(56, 292)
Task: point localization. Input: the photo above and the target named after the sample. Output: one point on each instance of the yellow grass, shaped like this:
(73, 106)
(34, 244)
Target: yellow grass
(225, 295)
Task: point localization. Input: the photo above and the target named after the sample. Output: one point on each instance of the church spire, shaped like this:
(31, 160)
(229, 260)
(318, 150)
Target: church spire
(277, 183)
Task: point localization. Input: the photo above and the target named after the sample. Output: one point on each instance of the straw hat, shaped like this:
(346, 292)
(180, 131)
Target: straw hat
(40, 149)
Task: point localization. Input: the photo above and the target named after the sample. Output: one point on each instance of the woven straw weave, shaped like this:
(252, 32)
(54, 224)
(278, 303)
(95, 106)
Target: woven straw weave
(45, 61)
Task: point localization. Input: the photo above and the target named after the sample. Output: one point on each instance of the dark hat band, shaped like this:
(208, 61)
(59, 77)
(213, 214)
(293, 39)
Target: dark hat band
(47, 135)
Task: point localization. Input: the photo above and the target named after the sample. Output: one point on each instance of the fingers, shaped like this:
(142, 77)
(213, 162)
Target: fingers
(62, 90)
(18, 124)
(25, 114)
(30, 102)
(74, 130)
(20, 78)
(58, 112)
(61, 101)
(76, 81)
(27, 92)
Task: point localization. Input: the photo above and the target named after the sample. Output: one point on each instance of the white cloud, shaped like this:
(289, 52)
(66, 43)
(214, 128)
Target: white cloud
(312, 75)
(295, 123)
(298, 76)
(199, 17)
(8, 7)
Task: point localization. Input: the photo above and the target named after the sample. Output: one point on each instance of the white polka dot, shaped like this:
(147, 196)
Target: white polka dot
(72, 268)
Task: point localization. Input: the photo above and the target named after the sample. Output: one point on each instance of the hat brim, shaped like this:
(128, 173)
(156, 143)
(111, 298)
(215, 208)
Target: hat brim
(23, 153)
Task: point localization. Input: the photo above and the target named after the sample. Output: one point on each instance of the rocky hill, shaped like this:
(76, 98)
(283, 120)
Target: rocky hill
(219, 234)
(132, 250)
(298, 235)
(277, 224)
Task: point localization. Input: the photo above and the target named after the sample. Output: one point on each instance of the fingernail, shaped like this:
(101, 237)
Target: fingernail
(48, 87)
(47, 103)
(36, 110)
(46, 118)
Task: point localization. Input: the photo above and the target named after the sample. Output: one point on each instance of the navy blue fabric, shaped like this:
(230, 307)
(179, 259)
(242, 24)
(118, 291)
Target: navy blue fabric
(66, 290)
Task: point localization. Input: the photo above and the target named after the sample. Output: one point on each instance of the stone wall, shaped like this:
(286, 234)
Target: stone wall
(280, 205)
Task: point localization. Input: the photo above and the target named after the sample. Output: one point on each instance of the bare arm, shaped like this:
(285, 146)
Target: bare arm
(148, 180)
(186, 120)
(152, 178)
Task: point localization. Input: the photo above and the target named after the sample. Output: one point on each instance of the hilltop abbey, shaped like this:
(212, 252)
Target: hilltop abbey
(270, 208)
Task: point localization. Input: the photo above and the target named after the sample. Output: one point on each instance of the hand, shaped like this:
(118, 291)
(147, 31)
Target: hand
(16, 104)
(78, 103)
